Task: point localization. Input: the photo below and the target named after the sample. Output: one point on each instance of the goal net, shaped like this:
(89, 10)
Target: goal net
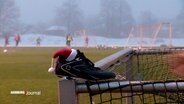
(144, 77)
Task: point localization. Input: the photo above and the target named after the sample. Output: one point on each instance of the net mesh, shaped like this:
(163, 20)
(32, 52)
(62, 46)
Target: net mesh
(148, 67)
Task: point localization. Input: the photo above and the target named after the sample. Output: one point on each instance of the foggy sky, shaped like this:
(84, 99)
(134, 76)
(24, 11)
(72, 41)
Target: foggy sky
(34, 11)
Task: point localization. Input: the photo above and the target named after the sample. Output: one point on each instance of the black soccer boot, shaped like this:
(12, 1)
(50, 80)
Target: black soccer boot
(81, 67)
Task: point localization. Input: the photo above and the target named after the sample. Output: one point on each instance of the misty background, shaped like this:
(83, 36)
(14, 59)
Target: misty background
(106, 18)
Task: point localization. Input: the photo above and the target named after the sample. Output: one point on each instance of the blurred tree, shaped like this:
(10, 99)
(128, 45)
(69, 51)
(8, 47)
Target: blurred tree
(147, 17)
(179, 22)
(70, 16)
(91, 24)
(9, 14)
(149, 24)
(115, 18)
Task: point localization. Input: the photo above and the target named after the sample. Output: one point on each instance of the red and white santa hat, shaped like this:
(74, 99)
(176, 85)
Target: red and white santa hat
(68, 53)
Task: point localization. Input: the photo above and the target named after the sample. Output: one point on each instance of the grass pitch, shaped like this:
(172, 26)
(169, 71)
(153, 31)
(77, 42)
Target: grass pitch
(25, 69)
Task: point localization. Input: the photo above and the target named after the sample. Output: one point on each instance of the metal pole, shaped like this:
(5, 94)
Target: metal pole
(141, 36)
(129, 77)
(67, 92)
(170, 35)
(155, 35)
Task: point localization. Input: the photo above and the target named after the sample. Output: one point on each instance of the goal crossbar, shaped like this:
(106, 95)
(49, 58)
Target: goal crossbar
(133, 86)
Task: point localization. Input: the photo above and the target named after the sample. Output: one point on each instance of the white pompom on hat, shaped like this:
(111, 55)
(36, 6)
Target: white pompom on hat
(51, 70)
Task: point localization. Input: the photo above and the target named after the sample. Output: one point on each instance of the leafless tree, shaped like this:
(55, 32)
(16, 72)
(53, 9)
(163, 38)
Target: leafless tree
(9, 14)
(115, 17)
(70, 16)
(179, 22)
(147, 17)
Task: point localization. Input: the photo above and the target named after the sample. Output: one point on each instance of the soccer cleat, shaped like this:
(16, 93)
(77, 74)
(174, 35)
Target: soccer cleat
(81, 67)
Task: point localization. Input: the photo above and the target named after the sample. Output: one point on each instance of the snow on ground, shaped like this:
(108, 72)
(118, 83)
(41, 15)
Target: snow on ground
(30, 40)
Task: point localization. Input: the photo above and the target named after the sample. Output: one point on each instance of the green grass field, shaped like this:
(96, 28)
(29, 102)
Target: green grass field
(25, 69)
